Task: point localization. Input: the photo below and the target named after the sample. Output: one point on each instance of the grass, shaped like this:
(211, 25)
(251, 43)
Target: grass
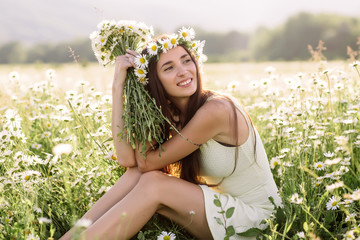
(310, 132)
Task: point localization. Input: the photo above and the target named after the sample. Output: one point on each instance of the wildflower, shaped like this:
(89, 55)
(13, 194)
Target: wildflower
(356, 195)
(14, 76)
(296, 199)
(334, 186)
(32, 237)
(166, 236)
(341, 140)
(319, 166)
(36, 146)
(44, 220)
(165, 44)
(233, 86)
(355, 64)
(192, 212)
(329, 154)
(333, 203)
(275, 161)
(62, 148)
(349, 235)
(254, 84)
(187, 33)
(50, 74)
(332, 162)
(301, 234)
(152, 49)
(111, 155)
(46, 134)
(83, 223)
(270, 70)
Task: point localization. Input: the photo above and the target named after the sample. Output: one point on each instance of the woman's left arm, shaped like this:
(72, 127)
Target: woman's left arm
(210, 120)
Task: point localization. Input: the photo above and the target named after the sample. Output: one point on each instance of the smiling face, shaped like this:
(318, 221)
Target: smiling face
(177, 73)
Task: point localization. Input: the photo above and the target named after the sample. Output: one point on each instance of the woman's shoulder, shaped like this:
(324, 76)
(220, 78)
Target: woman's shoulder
(217, 105)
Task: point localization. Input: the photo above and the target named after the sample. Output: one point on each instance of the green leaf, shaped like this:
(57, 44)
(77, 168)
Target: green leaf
(230, 231)
(252, 232)
(218, 220)
(217, 202)
(229, 212)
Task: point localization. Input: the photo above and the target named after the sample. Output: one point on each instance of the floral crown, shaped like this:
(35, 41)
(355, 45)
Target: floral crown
(185, 37)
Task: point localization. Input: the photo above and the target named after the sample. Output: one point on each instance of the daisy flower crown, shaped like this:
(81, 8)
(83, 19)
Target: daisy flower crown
(184, 37)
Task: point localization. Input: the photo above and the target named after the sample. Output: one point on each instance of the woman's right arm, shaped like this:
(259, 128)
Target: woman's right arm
(124, 152)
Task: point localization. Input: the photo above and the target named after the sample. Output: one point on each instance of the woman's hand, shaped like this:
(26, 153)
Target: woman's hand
(122, 63)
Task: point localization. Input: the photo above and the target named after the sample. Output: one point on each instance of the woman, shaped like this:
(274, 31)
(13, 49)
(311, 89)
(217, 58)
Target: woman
(219, 151)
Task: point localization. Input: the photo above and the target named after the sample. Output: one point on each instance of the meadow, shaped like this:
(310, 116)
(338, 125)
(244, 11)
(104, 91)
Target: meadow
(57, 156)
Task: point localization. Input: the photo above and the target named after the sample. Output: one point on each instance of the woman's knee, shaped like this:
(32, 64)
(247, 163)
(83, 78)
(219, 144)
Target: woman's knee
(151, 181)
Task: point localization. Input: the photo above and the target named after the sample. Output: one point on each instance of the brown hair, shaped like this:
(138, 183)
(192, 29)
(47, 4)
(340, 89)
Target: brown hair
(188, 167)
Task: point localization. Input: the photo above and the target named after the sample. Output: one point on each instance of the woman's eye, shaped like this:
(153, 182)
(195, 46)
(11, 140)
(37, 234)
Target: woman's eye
(168, 68)
(187, 60)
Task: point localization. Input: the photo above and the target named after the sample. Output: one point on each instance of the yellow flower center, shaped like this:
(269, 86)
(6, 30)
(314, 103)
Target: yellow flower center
(102, 40)
(113, 157)
(142, 80)
(184, 34)
(276, 163)
(319, 165)
(27, 178)
(154, 48)
(334, 203)
(166, 238)
(166, 45)
(173, 41)
(142, 60)
(140, 71)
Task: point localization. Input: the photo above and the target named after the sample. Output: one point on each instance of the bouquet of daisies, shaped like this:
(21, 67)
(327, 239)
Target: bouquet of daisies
(143, 120)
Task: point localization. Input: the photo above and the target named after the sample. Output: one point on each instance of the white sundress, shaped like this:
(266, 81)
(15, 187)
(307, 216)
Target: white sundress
(247, 189)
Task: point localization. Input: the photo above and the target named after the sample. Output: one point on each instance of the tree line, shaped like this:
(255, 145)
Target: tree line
(287, 42)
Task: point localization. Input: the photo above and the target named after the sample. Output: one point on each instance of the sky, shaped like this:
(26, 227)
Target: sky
(221, 15)
(51, 20)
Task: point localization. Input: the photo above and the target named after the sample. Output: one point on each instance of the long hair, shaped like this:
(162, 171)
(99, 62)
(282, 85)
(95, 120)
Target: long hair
(188, 167)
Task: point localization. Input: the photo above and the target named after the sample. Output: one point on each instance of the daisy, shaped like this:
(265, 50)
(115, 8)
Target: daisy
(46, 134)
(333, 203)
(165, 45)
(36, 146)
(334, 186)
(319, 166)
(143, 80)
(274, 162)
(329, 154)
(140, 73)
(141, 61)
(301, 234)
(233, 86)
(166, 236)
(173, 39)
(32, 237)
(62, 148)
(187, 33)
(50, 74)
(270, 70)
(44, 220)
(83, 223)
(14, 76)
(349, 235)
(254, 84)
(152, 48)
(296, 199)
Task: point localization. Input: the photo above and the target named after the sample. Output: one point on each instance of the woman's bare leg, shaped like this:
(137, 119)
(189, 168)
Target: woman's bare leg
(155, 191)
(122, 187)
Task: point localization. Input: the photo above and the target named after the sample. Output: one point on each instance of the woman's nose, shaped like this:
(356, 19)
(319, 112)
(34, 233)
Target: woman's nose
(181, 70)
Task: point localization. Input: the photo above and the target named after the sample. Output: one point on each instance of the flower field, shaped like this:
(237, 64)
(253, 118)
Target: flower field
(56, 150)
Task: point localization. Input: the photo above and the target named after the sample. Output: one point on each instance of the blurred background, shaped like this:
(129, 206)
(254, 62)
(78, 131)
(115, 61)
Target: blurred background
(49, 31)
